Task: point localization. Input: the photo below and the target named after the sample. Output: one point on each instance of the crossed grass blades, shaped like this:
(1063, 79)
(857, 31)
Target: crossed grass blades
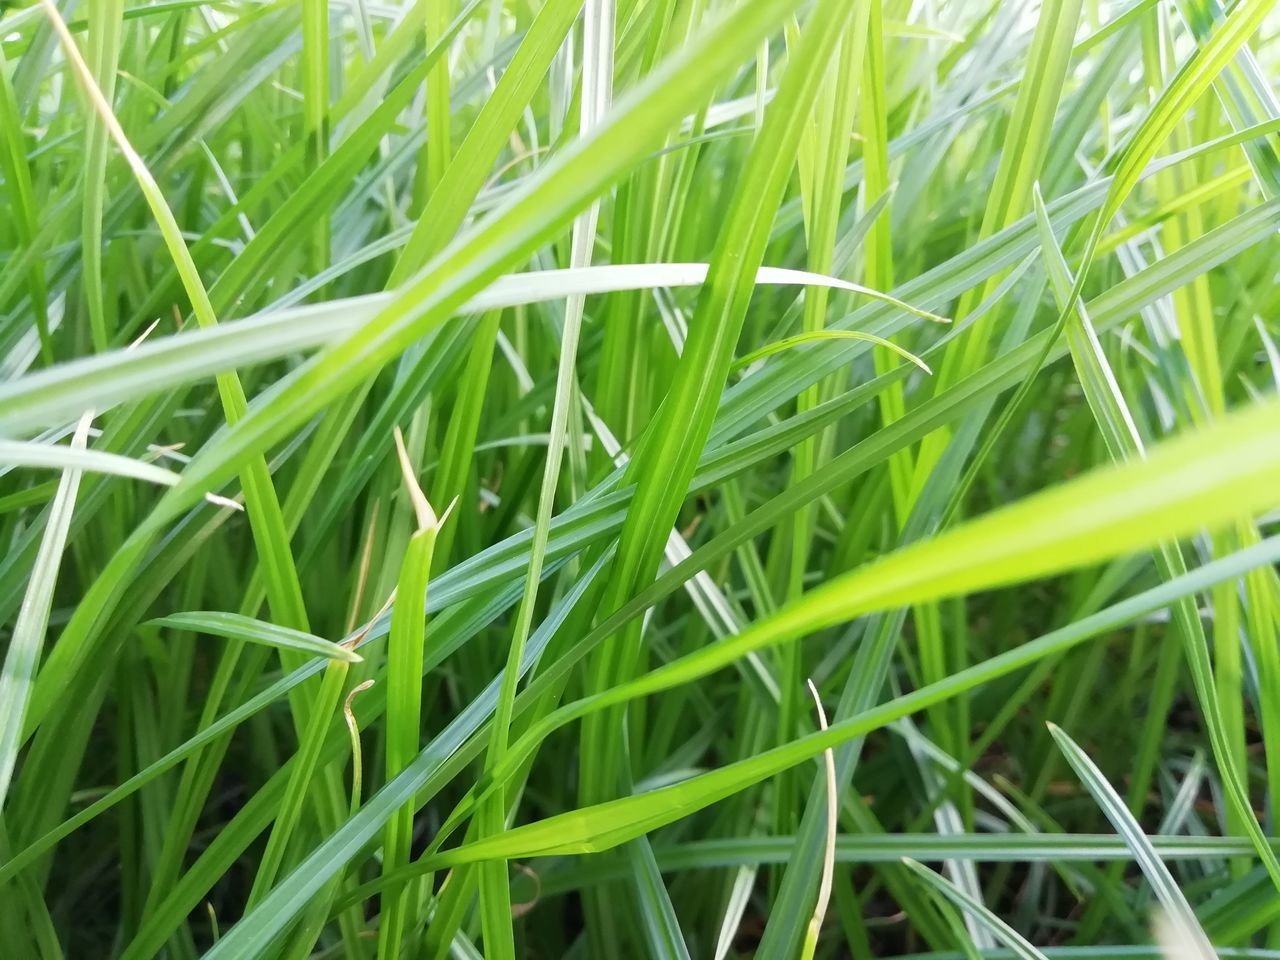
(447, 448)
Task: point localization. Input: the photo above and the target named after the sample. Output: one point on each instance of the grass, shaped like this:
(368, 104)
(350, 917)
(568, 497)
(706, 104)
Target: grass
(447, 447)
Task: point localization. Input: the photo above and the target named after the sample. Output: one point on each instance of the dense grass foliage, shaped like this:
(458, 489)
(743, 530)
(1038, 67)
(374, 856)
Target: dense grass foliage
(448, 447)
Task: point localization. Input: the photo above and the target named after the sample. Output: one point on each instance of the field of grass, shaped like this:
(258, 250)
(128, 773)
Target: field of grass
(639, 478)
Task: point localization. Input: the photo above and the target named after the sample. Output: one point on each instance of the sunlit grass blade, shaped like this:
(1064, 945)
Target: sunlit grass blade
(163, 362)
(237, 627)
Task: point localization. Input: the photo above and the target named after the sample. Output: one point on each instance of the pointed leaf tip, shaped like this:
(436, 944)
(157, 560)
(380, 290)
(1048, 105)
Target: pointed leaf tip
(421, 506)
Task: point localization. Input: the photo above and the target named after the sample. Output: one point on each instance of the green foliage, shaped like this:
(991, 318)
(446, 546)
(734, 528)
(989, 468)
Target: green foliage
(645, 298)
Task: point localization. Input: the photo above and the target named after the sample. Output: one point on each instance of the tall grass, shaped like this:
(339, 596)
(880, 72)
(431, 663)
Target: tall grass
(447, 448)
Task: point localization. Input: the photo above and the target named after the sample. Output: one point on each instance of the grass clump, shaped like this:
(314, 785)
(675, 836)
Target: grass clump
(590, 387)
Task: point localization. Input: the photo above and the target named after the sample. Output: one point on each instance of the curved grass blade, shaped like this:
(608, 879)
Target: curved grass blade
(48, 397)
(1177, 910)
(820, 335)
(234, 626)
(23, 655)
(979, 911)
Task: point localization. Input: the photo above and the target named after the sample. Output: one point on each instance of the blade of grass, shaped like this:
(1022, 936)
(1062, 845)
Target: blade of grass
(1177, 910)
(23, 656)
(235, 626)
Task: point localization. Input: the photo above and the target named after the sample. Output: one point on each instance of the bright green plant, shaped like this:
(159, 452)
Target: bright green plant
(591, 385)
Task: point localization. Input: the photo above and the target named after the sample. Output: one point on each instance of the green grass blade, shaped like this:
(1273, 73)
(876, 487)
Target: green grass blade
(1166, 889)
(235, 626)
(23, 656)
(979, 911)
